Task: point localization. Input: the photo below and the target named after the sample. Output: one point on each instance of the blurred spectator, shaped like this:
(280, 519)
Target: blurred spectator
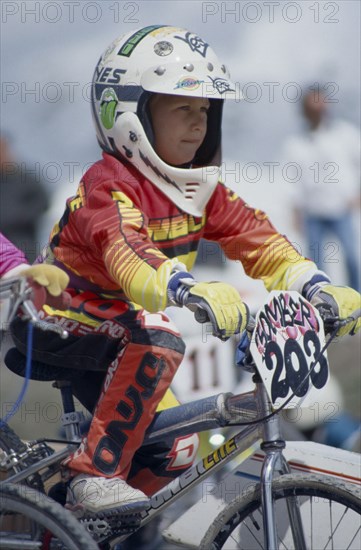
(23, 201)
(327, 191)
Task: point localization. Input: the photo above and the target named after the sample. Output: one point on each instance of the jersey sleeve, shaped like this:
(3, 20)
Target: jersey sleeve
(247, 235)
(131, 258)
(12, 259)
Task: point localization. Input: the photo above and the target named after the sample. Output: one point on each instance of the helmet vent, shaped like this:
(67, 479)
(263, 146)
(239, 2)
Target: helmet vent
(160, 70)
(210, 66)
(189, 67)
(191, 189)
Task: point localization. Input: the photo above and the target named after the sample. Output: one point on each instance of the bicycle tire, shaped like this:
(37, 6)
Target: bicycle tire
(44, 516)
(239, 524)
(10, 441)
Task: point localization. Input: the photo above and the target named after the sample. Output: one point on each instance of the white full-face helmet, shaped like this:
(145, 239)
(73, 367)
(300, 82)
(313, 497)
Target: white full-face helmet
(166, 60)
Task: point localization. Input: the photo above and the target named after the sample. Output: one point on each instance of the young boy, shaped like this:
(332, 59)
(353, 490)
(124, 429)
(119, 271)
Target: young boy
(128, 241)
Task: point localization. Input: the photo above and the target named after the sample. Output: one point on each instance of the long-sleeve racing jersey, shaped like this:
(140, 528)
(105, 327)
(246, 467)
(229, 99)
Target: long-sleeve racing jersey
(121, 234)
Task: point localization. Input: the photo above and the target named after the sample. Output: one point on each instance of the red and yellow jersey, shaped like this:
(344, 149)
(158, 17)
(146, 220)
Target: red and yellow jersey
(121, 234)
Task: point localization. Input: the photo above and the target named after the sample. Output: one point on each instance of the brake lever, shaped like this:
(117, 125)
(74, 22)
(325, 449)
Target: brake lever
(332, 322)
(32, 314)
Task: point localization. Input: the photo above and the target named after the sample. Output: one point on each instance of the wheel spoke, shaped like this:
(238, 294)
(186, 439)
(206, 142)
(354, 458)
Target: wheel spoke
(255, 523)
(353, 538)
(283, 544)
(333, 531)
(330, 514)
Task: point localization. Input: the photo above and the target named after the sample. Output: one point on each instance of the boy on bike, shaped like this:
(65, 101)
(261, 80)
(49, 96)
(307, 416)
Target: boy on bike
(128, 241)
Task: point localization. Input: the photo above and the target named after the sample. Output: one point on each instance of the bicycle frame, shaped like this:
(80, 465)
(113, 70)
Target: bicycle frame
(223, 410)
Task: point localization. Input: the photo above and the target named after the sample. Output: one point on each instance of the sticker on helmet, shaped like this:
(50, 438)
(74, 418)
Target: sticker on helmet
(108, 104)
(164, 176)
(187, 83)
(129, 46)
(195, 43)
(163, 48)
(221, 85)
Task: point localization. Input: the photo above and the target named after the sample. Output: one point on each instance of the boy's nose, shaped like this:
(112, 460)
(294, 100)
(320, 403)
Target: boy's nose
(199, 121)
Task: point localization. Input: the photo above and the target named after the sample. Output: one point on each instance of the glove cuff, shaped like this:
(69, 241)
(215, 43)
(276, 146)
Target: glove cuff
(315, 284)
(16, 271)
(178, 287)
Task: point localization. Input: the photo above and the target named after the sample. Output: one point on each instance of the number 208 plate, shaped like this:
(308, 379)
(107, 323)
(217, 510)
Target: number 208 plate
(287, 349)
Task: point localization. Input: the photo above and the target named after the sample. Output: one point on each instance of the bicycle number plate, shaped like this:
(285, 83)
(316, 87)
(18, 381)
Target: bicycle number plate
(287, 340)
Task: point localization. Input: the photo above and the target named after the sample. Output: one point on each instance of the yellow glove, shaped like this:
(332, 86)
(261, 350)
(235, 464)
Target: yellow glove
(339, 301)
(222, 304)
(49, 276)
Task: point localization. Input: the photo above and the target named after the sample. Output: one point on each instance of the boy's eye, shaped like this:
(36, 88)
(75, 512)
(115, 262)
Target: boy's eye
(188, 108)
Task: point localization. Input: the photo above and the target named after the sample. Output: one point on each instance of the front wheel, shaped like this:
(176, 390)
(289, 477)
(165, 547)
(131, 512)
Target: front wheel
(330, 512)
(29, 519)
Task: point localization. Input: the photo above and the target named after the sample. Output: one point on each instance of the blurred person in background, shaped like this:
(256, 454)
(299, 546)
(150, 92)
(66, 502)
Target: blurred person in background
(327, 195)
(327, 201)
(23, 201)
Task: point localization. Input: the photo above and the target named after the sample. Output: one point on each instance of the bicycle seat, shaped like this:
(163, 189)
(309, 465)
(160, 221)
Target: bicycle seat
(16, 362)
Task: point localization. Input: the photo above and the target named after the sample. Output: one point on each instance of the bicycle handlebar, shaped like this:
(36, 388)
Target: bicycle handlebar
(21, 291)
(201, 316)
(330, 322)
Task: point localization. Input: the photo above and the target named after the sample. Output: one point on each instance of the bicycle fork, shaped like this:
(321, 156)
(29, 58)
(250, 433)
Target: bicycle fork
(274, 461)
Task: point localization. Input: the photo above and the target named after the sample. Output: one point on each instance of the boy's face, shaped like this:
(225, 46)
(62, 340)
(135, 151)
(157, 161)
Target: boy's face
(314, 107)
(180, 126)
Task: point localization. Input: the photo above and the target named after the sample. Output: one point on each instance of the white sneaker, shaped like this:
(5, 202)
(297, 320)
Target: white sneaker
(100, 494)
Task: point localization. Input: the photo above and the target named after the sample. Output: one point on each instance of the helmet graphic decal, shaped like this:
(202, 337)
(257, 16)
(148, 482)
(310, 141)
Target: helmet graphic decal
(221, 85)
(156, 170)
(129, 46)
(108, 104)
(188, 83)
(195, 43)
(163, 48)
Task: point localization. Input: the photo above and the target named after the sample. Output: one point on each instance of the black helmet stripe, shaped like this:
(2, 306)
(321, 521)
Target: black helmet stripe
(124, 93)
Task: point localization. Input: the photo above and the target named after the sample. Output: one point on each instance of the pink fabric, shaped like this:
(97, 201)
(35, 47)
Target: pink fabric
(10, 256)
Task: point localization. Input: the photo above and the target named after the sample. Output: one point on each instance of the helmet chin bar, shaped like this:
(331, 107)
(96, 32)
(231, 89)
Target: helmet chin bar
(188, 188)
